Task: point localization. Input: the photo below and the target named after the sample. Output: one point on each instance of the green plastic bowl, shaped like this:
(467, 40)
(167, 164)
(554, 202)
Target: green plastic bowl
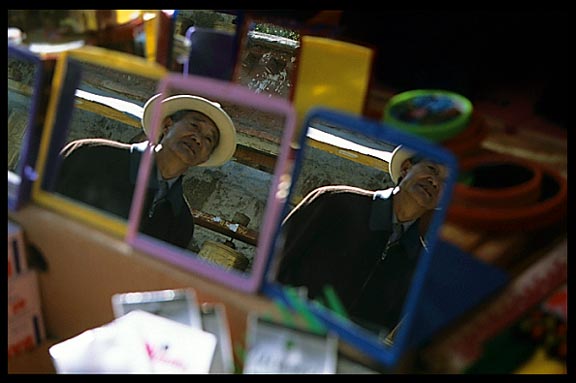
(430, 113)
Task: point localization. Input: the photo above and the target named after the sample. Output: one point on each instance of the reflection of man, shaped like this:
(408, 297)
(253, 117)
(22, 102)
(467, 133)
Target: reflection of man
(103, 173)
(365, 244)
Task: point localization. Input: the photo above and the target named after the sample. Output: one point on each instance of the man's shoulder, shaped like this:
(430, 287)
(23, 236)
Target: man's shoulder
(338, 194)
(94, 145)
(342, 190)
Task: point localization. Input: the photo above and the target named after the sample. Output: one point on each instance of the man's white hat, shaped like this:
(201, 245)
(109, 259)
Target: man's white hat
(399, 155)
(170, 105)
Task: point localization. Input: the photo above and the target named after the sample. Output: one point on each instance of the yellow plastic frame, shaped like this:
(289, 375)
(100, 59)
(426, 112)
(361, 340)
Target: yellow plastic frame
(333, 74)
(94, 55)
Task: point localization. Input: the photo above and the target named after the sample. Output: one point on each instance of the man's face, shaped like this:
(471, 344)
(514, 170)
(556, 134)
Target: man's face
(424, 181)
(192, 139)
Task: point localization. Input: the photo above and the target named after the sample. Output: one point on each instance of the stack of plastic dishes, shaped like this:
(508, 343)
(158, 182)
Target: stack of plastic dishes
(506, 193)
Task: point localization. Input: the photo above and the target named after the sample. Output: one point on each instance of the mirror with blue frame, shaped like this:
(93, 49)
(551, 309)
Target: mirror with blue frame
(362, 206)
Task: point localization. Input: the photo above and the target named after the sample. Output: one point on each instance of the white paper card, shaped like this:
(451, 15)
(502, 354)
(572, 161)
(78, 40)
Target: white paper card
(274, 348)
(138, 342)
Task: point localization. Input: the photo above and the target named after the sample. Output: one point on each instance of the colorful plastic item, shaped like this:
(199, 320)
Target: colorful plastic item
(456, 282)
(333, 74)
(434, 114)
(27, 105)
(212, 53)
(550, 208)
(499, 181)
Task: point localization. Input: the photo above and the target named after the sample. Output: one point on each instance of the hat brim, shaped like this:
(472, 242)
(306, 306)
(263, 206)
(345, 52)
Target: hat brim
(399, 155)
(227, 142)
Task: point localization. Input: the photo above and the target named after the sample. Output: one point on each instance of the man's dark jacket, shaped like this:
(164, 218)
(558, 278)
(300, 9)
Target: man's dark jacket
(103, 174)
(336, 236)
